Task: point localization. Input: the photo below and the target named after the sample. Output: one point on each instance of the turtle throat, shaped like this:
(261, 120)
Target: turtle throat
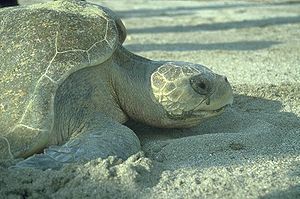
(132, 86)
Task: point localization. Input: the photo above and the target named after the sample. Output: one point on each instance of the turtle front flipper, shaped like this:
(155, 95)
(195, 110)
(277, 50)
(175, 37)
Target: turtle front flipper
(98, 140)
(30, 134)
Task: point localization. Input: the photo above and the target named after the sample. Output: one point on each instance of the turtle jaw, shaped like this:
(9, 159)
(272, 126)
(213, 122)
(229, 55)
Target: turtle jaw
(215, 108)
(211, 112)
(221, 110)
(209, 107)
(191, 118)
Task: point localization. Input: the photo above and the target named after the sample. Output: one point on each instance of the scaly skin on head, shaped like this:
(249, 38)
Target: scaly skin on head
(169, 94)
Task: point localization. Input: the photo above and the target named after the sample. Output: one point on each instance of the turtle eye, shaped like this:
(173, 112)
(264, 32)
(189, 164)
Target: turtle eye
(200, 84)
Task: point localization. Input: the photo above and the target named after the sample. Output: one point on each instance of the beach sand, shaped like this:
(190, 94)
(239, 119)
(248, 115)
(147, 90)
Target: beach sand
(251, 151)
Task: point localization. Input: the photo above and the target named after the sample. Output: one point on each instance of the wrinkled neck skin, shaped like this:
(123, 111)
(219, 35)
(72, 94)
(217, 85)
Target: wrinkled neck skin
(131, 81)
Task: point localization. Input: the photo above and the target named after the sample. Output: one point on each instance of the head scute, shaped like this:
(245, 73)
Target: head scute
(170, 85)
(183, 88)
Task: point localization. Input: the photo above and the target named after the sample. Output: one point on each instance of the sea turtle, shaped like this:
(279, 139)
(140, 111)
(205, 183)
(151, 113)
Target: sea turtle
(68, 86)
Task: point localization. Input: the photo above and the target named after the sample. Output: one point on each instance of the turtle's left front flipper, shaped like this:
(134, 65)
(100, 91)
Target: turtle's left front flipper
(108, 138)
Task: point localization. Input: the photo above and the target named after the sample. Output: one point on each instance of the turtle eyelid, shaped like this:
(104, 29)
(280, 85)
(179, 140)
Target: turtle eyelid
(200, 86)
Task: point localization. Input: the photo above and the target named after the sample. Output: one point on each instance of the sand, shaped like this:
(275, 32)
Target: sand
(251, 151)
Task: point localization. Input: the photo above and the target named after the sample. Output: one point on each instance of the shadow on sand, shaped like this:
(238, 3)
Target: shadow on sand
(238, 46)
(290, 193)
(233, 131)
(218, 26)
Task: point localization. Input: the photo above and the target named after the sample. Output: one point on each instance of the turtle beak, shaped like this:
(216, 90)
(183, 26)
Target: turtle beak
(221, 95)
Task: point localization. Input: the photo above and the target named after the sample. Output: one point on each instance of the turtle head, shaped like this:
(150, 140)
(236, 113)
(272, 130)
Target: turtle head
(189, 93)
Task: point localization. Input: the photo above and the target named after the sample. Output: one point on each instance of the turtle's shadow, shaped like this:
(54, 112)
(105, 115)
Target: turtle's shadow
(228, 139)
(243, 105)
(252, 124)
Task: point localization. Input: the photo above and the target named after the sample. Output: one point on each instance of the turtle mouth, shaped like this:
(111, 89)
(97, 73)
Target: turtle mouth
(199, 114)
(220, 109)
(210, 112)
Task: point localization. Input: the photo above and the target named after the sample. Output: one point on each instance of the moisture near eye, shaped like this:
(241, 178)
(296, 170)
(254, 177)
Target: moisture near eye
(199, 85)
